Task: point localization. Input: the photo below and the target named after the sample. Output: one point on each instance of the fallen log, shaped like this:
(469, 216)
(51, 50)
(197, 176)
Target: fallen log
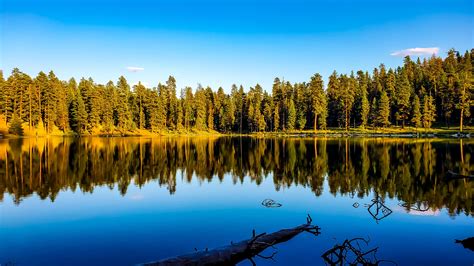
(467, 243)
(453, 175)
(237, 252)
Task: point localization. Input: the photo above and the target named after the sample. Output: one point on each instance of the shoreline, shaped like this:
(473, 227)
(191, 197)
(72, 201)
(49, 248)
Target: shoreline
(335, 133)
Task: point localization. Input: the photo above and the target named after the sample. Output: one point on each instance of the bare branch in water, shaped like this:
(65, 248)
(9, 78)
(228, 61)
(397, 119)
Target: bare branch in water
(243, 250)
(350, 252)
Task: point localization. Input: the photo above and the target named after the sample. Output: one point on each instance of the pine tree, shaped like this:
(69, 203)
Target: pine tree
(429, 111)
(230, 111)
(301, 119)
(16, 127)
(154, 110)
(40, 84)
(362, 106)
(90, 96)
(179, 116)
(139, 90)
(79, 114)
(291, 115)
(365, 110)
(255, 116)
(465, 90)
(318, 101)
(219, 105)
(122, 113)
(347, 97)
(172, 102)
(301, 104)
(373, 114)
(276, 116)
(416, 114)
(3, 90)
(383, 110)
(278, 97)
(228, 114)
(268, 111)
(187, 95)
(17, 92)
(261, 123)
(403, 96)
(49, 98)
(162, 108)
(210, 108)
(390, 87)
(237, 95)
(334, 103)
(62, 117)
(450, 85)
(200, 107)
(107, 119)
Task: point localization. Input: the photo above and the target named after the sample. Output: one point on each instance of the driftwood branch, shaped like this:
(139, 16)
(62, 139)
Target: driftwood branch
(240, 251)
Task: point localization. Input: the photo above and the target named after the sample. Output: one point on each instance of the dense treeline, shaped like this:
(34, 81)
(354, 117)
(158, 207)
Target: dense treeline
(419, 94)
(412, 171)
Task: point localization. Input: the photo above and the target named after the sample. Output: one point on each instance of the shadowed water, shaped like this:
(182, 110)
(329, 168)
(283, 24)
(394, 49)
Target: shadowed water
(76, 201)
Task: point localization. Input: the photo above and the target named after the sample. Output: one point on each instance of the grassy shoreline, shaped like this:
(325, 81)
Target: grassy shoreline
(408, 132)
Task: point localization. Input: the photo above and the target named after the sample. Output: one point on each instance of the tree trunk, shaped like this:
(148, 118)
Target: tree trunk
(347, 119)
(237, 252)
(29, 95)
(460, 120)
(315, 123)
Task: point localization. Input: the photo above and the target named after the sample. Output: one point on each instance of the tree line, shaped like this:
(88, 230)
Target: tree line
(421, 93)
(410, 170)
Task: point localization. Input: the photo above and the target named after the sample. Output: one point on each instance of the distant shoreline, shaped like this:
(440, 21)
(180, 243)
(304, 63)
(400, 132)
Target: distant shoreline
(335, 132)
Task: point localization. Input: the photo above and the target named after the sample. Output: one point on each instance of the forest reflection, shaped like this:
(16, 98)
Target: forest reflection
(411, 170)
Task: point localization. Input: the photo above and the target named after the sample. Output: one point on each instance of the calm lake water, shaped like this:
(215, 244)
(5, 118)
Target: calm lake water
(122, 201)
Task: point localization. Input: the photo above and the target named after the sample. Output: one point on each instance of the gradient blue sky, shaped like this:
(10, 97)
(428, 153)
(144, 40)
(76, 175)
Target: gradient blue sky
(218, 43)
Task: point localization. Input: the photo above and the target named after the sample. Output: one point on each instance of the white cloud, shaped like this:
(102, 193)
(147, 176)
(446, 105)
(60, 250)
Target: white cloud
(137, 197)
(417, 51)
(135, 69)
(429, 212)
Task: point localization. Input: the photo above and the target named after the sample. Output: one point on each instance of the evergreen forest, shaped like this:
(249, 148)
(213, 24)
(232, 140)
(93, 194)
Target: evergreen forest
(421, 93)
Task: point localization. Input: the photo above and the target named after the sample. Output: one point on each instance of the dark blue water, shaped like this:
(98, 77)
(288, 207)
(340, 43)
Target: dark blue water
(89, 221)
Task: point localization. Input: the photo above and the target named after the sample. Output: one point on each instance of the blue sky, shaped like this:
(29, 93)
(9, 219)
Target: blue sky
(219, 43)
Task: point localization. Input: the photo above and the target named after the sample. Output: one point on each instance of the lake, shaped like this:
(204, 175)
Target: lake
(123, 201)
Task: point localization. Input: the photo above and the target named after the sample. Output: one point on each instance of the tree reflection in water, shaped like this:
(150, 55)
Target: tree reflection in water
(411, 170)
(352, 252)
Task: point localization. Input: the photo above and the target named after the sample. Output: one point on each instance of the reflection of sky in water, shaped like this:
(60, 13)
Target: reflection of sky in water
(148, 224)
